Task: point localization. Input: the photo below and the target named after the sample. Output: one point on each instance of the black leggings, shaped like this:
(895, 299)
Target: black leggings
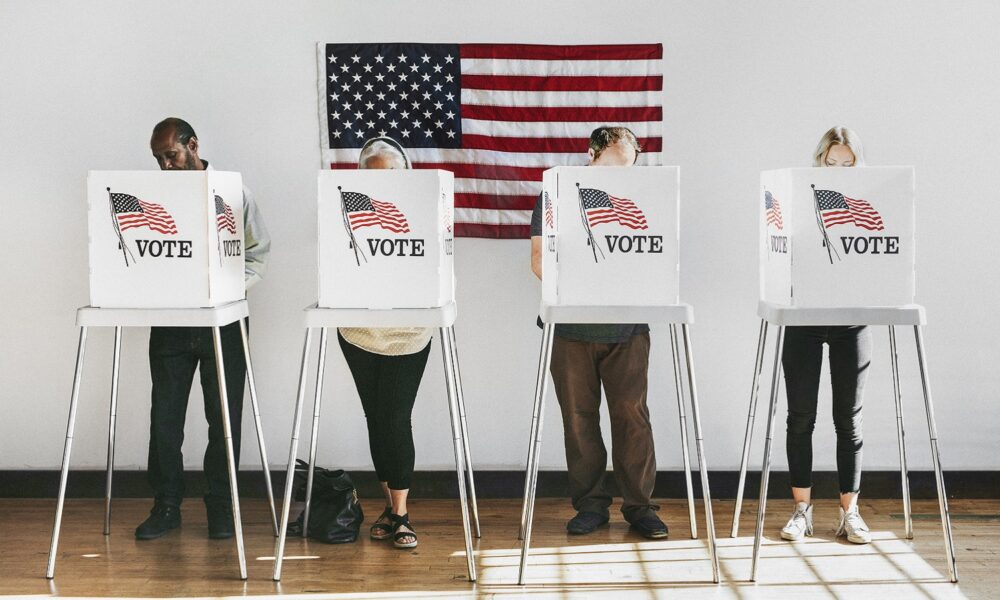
(388, 389)
(802, 359)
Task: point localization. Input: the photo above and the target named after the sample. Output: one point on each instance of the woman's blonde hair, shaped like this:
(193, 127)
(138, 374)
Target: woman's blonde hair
(839, 135)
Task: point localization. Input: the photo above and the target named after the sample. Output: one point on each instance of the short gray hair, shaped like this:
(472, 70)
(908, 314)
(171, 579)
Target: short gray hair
(380, 147)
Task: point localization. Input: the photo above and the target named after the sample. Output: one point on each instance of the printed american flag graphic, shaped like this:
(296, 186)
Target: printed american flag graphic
(224, 216)
(773, 208)
(602, 207)
(365, 211)
(838, 209)
(496, 115)
(131, 212)
(549, 221)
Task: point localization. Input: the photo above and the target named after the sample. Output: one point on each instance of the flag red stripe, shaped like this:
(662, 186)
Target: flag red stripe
(538, 144)
(629, 114)
(547, 52)
(477, 171)
(491, 231)
(495, 201)
(567, 83)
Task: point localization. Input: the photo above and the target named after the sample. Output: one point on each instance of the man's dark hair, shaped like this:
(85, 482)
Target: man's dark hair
(181, 127)
(602, 137)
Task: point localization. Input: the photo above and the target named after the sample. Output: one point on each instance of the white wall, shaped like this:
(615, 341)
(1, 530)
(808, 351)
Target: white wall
(747, 87)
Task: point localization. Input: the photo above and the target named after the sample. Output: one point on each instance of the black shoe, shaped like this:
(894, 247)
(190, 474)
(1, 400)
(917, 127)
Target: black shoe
(585, 522)
(220, 522)
(161, 519)
(650, 526)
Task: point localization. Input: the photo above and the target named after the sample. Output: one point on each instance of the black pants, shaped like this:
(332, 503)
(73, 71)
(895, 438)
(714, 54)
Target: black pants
(802, 359)
(174, 354)
(388, 389)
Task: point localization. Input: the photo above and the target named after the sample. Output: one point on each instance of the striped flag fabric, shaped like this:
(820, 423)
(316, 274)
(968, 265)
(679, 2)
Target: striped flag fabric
(131, 212)
(549, 219)
(773, 208)
(496, 115)
(365, 211)
(838, 209)
(602, 207)
(224, 218)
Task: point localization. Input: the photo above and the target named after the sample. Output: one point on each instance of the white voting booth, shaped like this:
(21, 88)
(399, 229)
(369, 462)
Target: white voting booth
(386, 246)
(160, 239)
(610, 254)
(165, 250)
(837, 247)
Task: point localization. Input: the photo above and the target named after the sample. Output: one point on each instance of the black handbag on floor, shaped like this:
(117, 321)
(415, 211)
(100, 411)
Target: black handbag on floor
(335, 514)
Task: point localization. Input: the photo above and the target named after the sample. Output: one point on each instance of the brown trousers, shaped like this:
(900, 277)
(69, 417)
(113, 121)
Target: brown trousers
(578, 370)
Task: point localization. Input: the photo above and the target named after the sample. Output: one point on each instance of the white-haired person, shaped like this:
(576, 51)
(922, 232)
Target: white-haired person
(387, 365)
(802, 360)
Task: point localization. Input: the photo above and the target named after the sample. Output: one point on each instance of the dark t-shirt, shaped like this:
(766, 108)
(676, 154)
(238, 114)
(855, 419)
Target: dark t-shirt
(598, 333)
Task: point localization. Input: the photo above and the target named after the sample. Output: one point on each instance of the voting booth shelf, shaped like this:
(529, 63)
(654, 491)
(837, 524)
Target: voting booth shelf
(615, 226)
(162, 239)
(845, 259)
(610, 255)
(385, 260)
(214, 318)
(386, 238)
(827, 234)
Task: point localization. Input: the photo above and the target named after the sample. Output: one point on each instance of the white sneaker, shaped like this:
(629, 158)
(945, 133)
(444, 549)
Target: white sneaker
(853, 526)
(800, 524)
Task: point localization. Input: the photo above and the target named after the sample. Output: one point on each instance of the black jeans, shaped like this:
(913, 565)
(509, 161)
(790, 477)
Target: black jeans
(174, 354)
(388, 387)
(802, 359)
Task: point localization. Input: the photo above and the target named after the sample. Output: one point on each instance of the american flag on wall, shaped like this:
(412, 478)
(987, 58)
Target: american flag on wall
(838, 209)
(131, 212)
(364, 211)
(497, 115)
(773, 208)
(602, 207)
(224, 218)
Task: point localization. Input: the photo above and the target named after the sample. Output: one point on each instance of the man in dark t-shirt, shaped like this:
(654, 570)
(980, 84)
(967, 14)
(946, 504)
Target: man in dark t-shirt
(587, 356)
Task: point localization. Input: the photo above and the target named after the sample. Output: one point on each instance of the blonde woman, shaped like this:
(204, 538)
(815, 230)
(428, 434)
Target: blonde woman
(802, 360)
(387, 365)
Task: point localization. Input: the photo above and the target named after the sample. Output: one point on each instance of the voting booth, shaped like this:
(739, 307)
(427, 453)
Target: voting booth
(386, 245)
(162, 239)
(611, 236)
(837, 237)
(837, 248)
(610, 254)
(386, 238)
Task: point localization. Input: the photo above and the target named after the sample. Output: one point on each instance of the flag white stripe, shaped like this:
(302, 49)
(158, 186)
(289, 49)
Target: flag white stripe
(589, 99)
(490, 157)
(540, 67)
(551, 129)
(489, 216)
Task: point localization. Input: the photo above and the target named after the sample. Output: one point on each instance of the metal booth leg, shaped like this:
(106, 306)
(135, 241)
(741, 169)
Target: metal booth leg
(230, 456)
(279, 549)
(465, 434)
(260, 431)
(112, 423)
(50, 569)
(447, 353)
(904, 472)
(531, 475)
(685, 448)
(751, 417)
(765, 470)
(699, 441)
(314, 435)
(949, 543)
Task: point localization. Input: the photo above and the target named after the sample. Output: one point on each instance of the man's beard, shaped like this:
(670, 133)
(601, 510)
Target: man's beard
(190, 162)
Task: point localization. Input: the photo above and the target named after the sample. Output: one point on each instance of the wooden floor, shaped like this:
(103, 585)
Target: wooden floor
(611, 563)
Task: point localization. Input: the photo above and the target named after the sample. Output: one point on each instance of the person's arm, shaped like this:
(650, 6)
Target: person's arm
(256, 241)
(536, 255)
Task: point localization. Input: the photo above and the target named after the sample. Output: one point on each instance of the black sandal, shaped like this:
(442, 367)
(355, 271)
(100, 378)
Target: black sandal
(397, 535)
(382, 530)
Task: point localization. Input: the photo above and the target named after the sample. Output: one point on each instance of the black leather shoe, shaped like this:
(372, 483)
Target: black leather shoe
(161, 519)
(585, 522)
(220, 522)
(651, 527)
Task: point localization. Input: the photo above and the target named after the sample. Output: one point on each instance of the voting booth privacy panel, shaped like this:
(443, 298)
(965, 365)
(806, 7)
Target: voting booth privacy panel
(837, 237)
(386, 238)
(163, 239)
(611, 236)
